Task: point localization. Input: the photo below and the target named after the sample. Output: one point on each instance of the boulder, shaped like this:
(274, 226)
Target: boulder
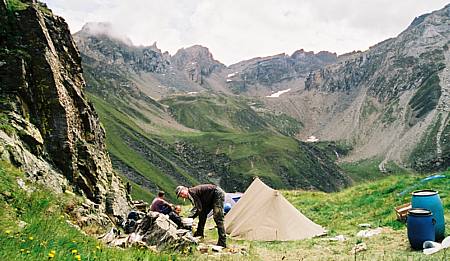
(157, 229)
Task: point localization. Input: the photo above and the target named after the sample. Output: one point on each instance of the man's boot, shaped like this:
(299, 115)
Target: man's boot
(222, 242)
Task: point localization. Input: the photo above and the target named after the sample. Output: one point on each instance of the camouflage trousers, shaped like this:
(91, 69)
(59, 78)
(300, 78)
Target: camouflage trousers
(219, 198)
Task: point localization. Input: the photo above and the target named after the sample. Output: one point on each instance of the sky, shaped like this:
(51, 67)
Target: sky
(236, 30)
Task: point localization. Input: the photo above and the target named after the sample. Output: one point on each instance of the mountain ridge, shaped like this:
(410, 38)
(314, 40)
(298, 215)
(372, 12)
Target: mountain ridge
(407, 83)
(373, 101)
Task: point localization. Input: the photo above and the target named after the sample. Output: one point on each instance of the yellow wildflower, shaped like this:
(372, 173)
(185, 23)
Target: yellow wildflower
(23, 240)
(74, 251)
(28, 251)
(22, 250)
(53, 252)
(30, 238)
(51, 255)
(78, 257)
(8, 232)
(98, 247)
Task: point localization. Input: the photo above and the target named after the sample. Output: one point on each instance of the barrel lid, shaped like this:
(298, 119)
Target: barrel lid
(419, 212)
(424, 193)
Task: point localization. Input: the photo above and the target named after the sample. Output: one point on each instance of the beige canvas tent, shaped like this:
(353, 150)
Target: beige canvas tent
(264, 214)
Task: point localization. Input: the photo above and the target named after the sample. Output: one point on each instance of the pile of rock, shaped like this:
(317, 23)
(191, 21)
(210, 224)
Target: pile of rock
(154, 231)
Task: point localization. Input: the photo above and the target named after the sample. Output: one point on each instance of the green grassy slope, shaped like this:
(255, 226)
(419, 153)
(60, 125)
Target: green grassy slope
(373, 203)
(280, 161)
(368, 170)
(234, 144)
(220, 113)
(47, 230)
(340, 213)
(127, 144)
(47, 235)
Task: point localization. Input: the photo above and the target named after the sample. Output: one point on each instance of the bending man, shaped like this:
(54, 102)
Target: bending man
(205, 198)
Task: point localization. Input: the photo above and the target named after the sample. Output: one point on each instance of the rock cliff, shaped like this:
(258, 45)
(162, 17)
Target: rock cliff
(397, 91)
(197, 62)
(48, 127)
(271, 70)
(115, 49)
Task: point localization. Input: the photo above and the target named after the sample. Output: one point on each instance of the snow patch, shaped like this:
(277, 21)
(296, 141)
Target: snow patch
(312, 139)
(192, 93)
(232, 74)
(277, 94)
(229, 80)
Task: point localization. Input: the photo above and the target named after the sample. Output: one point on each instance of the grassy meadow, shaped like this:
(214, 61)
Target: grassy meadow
(47, 234)
(342, 212)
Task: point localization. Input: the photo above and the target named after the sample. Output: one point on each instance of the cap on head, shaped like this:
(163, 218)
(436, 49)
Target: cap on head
(178, 190)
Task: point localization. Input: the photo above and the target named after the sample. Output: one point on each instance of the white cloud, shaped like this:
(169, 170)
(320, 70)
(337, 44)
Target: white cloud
(243, 29)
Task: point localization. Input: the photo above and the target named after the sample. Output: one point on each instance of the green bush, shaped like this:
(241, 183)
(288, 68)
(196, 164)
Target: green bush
(16, 5)
(5, 125)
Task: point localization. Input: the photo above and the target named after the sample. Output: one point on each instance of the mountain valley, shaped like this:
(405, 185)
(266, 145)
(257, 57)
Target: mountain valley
(368, 105)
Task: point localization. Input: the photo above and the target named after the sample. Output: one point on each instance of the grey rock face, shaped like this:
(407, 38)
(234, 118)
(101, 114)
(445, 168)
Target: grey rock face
(99, 41)
(113, 65)
(408, 77)
(197, 62)
(42, 92)
(394, 65)
(18, 152)
(275, 69)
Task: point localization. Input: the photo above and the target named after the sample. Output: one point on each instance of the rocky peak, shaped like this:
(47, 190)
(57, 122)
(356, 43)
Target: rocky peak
(101, 42)
(305, 61)
(274, 69)
(197, 61)
(56, 130)
(444, 12)
(104, 29)
(322, 56)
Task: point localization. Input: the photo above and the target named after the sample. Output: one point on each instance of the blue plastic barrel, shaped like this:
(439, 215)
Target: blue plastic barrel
(429, 199)
(420, 225)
